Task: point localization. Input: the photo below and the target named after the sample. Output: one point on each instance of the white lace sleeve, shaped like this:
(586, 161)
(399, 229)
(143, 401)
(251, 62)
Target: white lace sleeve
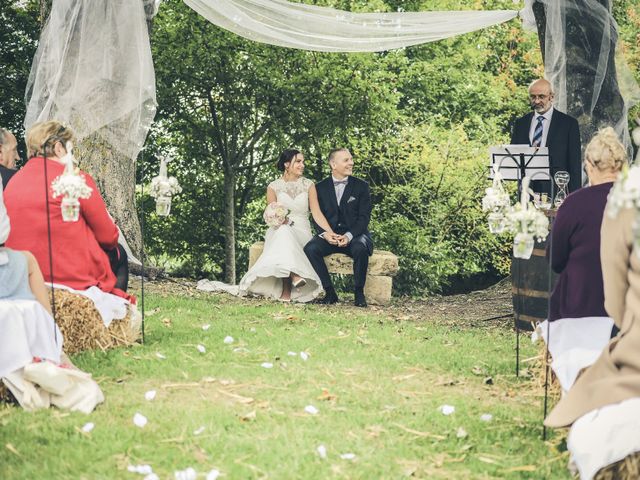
(276, 185)
(307, 184)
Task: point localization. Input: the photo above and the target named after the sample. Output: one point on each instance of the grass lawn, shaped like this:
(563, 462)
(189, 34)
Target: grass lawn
(377, 381)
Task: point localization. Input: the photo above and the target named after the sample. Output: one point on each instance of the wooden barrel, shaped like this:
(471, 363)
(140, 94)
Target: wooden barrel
(530, 285)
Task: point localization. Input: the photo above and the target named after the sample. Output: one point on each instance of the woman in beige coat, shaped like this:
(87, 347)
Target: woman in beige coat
(615, 376)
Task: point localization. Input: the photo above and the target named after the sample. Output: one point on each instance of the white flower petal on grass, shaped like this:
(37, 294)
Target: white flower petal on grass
(141, 469)
(152, 476)
(206, 327)
(160, 356)
(150, 395)
(348, 456)
(88, 427)
(199, 430)
(461, 433)
(213, 474)
(188, 474)
(266, 365)
(292, 354)
(139, 420)
(240, 350)
(228, 340)
(447, 409)
(201, 348)
(486, 417)
(304, 356)
(310, 409)
(322, 451)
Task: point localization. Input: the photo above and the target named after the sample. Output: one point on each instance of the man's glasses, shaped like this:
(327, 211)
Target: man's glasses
(539, 97)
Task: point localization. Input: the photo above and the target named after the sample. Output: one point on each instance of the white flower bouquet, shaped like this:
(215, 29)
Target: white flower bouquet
(71, 185)
(625, 193)
(164, 187)
(276, 214)
(530, 221)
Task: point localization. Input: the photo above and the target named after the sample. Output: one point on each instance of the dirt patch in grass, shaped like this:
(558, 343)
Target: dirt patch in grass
(490, 307)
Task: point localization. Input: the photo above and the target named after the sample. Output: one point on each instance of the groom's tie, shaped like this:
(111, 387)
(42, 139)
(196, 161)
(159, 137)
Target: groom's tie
(537, 133)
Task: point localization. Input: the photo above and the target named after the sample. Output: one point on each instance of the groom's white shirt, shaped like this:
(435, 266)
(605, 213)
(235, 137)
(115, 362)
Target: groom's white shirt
(339, 188)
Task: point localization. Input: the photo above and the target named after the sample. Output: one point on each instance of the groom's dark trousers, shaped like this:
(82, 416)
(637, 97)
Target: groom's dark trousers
(352, 215)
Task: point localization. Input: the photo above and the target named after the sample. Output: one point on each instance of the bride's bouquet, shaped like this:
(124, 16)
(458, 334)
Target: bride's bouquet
(276, 214)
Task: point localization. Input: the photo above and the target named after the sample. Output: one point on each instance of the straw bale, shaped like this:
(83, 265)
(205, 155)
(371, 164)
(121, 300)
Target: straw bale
(82, 326)
(626, 469)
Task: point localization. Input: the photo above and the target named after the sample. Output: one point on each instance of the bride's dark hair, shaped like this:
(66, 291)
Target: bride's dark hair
(286, 157)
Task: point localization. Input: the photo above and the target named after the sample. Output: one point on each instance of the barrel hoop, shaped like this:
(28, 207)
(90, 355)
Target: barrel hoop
(529, 293)
(528, 318)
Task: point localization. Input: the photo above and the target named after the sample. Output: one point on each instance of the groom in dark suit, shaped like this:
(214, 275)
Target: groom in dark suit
(345, 201)
(548, 127)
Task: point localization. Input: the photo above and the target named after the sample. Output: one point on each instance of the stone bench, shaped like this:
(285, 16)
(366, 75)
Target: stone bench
(383, 266)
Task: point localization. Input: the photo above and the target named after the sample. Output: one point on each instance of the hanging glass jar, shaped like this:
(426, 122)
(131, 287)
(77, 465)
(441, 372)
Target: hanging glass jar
(70, 208)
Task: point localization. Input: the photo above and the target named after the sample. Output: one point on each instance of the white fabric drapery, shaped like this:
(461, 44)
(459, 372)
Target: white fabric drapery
(93, 71)
(322, 29)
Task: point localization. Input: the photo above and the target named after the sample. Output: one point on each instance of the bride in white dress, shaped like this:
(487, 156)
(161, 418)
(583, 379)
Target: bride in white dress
(283, 270)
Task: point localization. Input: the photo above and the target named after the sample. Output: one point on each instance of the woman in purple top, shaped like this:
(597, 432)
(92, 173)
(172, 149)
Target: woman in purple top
(575, 237)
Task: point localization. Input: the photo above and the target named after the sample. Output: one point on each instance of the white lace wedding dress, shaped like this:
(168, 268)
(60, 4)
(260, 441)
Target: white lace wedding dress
(283, 251)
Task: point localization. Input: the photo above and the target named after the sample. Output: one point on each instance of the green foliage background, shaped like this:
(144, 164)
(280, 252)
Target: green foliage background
(418, 120)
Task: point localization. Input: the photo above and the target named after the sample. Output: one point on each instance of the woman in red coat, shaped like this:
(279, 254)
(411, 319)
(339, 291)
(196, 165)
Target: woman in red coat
(85, 253)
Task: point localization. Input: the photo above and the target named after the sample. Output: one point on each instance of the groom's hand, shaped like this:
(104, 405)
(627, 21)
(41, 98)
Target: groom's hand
(331, 238)
(343, 240)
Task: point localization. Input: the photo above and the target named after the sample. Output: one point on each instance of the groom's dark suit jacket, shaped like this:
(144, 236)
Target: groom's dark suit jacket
(563, 141)
(353, 213)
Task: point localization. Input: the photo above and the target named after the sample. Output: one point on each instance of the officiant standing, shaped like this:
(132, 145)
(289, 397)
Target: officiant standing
(548, 127)
(345, 201)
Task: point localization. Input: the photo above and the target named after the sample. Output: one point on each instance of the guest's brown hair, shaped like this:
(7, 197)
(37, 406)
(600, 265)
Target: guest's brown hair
(42, 137)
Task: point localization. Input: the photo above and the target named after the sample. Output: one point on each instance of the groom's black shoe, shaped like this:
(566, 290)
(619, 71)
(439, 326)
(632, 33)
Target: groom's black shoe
(330, 297)
(360, 301)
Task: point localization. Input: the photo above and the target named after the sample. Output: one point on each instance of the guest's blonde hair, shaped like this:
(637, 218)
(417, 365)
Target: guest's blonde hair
(605, 151)
(50, 133)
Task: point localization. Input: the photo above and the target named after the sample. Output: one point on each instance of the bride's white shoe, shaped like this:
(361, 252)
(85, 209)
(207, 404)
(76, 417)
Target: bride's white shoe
(301, 282)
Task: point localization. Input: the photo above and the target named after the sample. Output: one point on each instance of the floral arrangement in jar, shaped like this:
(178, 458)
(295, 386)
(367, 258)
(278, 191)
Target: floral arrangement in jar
(163, 188)
(525, 222)
(276, 214)
(71, 186)
(496, 201)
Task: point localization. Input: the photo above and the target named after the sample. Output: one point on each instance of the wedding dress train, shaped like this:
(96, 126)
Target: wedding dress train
(283, 251)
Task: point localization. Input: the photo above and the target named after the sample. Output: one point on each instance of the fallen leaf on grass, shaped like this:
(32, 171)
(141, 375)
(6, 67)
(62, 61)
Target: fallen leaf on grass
(488, 460)
(228, 340)
(418, 433)
(199, 431)
(486, 417)
(476, 370)
(160, 356)
(12, 449)
(248, 417)
(292, 354)
(236, 397)
(523, 468)
(166, 322)
(304, 356)
(201, 348)
(326, 395)
(140, 469)
(150, 395)
(266, 365)
(461, 433)
(206, 327)
(348, 456)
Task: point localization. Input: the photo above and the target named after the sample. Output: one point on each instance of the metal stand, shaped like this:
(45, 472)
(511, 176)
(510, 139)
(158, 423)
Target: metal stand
(49, 243)
(142, 249)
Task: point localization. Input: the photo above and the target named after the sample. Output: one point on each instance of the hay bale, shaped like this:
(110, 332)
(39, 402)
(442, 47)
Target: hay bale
(537, 368)
(626, 469)
(82, 326)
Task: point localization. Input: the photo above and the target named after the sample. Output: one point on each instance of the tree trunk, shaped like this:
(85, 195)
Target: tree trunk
(115, 176)
(229, 225)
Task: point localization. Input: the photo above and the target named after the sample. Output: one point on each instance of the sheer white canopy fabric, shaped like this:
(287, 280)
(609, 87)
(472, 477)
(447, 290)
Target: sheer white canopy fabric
(595, 33)
(93, 71)
(322, 29)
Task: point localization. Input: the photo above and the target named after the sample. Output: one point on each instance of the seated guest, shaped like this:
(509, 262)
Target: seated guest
(84, 253)
(580, 324)
(27, 329)
(8, 155)
(603, 407)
